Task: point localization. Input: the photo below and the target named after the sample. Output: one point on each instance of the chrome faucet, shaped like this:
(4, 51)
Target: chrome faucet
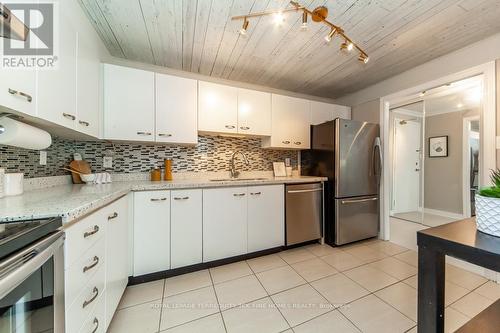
(234, 173)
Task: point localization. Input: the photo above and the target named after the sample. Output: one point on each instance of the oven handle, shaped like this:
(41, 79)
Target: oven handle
(20, 266)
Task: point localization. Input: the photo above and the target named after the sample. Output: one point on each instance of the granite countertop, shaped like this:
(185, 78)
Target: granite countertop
(72, 202)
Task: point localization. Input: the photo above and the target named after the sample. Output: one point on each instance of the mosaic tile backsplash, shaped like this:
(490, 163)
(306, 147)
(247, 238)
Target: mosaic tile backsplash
(211, 154)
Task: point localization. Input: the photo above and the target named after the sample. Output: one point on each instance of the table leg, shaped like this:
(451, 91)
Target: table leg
(431, 282)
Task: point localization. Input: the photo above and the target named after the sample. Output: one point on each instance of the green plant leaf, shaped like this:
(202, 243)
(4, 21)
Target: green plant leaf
(490, 192)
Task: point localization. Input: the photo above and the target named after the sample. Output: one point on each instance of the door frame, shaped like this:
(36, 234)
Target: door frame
(415, 94)
(466, 165)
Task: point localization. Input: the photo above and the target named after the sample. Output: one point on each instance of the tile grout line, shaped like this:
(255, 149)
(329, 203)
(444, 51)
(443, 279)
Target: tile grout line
(161, 303)
(217, 299)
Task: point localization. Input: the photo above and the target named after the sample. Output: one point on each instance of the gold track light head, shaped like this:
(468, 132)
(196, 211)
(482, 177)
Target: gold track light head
(304, 20)
(328, 38)
(363, 58)
(244, 27)
(347, 46)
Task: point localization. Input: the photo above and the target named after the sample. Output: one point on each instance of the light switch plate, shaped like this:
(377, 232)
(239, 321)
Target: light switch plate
(43, 157)
(107, 162)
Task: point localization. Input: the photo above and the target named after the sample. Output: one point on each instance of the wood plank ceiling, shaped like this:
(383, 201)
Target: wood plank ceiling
(199, 36)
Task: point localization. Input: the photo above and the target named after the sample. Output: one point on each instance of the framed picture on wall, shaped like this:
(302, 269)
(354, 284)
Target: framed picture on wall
(438, 146)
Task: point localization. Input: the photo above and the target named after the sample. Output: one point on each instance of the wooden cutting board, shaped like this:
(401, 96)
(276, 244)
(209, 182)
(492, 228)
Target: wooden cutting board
(80, 166)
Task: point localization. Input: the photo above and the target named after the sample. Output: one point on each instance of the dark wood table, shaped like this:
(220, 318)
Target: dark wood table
(457, 239)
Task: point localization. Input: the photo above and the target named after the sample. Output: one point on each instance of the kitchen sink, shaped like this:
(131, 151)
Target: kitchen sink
(236, 179)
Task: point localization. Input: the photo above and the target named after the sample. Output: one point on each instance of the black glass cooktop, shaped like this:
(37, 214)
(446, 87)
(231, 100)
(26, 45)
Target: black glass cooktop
(16, 235)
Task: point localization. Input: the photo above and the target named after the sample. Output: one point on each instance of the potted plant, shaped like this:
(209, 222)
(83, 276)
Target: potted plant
(488, 206)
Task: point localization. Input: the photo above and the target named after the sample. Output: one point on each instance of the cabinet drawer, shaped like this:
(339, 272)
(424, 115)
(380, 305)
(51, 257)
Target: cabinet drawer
(82, 270)
(95, 323)
(85, 303)
(82, 236)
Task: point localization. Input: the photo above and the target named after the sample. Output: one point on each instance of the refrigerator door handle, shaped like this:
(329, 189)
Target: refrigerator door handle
(377, 146)
(358, 200)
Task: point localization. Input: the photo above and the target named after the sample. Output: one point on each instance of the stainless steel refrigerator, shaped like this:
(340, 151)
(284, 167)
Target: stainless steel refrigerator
(348, 153)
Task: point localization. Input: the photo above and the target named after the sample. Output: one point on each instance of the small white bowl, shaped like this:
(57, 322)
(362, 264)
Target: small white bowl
(88, 178)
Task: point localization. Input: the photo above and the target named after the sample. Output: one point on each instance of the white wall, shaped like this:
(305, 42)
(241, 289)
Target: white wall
(479, 53)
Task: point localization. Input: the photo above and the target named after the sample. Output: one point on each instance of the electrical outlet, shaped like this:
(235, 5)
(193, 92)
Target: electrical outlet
(107, 162)
(43, 157)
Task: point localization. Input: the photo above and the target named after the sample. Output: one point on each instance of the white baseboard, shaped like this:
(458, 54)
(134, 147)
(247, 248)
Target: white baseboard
(444, 213)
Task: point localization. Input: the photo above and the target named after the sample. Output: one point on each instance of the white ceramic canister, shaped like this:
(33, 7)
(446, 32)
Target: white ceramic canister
(13, 184)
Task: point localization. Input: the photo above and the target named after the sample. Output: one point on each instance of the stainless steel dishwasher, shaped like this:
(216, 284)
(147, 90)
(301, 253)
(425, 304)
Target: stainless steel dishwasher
(304, 212)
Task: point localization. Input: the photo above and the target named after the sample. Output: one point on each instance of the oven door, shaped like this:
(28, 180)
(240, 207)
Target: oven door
(32, 288)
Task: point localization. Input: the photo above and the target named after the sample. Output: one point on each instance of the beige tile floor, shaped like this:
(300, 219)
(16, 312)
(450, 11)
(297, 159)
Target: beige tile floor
(366, 287)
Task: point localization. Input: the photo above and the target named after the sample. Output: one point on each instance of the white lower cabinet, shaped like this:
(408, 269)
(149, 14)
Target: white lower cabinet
(116, 216)
(96, 267)
(224, 223)
(151, 232)
(186, 228)
(266, 217)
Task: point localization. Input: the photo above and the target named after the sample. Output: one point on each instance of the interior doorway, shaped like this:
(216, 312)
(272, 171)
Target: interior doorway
(435, 154)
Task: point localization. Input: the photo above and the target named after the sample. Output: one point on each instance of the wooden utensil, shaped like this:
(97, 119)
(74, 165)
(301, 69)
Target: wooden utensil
(81, 167)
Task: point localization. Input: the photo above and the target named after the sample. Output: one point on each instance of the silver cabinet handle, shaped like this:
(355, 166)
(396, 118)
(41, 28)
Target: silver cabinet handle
(305, 191)
(256, 193)
(164, 135)
(245, 128)
(298, 143)
(181, 198)
(87, 302)
(84, 123)
(113, 216)
(238, 194)
(358, 200)
(90, 233)
(158, 199)
(96, 323)
(69, 116)
(286, 142)
(89, 267)
(144, 133)
(230, 126)
(20, 93)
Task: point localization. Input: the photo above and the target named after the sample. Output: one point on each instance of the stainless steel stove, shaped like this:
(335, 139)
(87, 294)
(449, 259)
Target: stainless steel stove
(31, 276)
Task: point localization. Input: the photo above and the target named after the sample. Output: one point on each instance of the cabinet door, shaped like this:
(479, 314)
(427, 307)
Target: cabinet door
(301, 135)
(176, 109)
(254, 112)
(266, 218)
(56, 88)
(290, 123)
(341, 111)
(186, 228)
(128, 104)
(116, 216)
(217, 108)
(323, 112)
(224, 223)
(87, 76)
(17, 86)
(151, 232)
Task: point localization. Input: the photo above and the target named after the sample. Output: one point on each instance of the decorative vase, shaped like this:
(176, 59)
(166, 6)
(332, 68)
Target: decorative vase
(488, 215)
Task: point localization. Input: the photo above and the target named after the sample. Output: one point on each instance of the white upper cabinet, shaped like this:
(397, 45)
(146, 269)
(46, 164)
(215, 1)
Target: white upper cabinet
(217, 108)
(88, 76)
(291, 119)
(129, 104)
(254, 112)
(56, 88)
(323, 112)
(176, 109)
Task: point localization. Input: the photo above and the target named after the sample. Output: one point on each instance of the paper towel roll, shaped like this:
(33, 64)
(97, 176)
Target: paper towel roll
(18, 134)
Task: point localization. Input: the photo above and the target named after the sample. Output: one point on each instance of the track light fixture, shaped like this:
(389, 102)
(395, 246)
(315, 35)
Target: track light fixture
(304, 20)
(319, 15)
(244, 27)
(363, 58)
